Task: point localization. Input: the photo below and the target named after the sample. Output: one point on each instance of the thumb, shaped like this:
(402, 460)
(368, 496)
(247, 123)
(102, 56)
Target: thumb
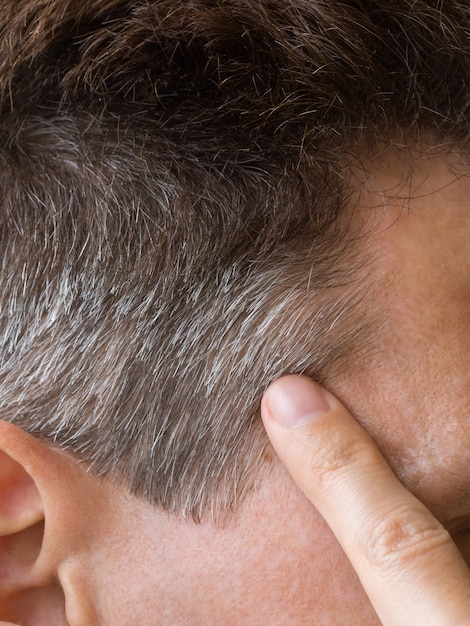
(406, 561)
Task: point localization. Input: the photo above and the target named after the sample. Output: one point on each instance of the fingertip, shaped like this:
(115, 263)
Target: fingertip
(294, 400)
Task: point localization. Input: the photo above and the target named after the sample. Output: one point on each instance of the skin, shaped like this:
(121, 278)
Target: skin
(397, 547)
(81, 551)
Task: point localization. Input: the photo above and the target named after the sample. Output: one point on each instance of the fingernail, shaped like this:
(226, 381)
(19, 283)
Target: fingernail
(295, 400)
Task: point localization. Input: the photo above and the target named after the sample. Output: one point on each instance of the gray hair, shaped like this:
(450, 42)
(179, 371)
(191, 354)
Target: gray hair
(174, 180)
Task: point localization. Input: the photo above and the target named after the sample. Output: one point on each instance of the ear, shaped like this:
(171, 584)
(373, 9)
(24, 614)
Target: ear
(29, 591)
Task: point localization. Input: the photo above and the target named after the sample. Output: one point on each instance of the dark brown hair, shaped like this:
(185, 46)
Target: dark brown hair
(173, 180)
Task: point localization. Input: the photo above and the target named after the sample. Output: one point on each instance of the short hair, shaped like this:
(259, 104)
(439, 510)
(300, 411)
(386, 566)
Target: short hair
(174, 177)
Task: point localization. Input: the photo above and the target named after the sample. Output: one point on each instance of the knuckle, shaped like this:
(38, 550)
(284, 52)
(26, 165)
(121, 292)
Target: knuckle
(401, 539)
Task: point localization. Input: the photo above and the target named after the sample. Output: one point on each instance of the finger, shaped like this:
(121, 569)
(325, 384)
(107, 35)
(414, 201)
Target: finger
(406, 561)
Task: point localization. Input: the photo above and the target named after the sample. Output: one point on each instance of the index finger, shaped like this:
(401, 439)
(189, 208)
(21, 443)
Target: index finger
(405, 559)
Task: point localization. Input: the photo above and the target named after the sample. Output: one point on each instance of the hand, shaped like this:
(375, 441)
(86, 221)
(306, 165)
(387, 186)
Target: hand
(405, 559)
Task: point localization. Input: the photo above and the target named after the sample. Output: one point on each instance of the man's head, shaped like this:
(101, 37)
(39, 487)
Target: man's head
(198, 197)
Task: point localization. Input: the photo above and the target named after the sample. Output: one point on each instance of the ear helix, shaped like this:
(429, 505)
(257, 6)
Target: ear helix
(20, 502)
(21, 537)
